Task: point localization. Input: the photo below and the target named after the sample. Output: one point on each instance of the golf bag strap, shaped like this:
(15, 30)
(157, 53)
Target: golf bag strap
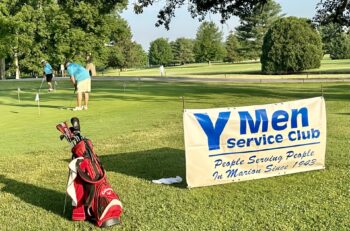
(90, 153)
(95, 161)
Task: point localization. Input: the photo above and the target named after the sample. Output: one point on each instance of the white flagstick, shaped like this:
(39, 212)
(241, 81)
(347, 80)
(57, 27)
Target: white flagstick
(18, 91)
(37, 99)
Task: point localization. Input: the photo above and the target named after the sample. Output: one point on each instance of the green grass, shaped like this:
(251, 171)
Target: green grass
(329, 69)
(138, 134)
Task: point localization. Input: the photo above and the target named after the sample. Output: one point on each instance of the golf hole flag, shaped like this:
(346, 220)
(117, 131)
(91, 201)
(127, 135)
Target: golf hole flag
(235, 144)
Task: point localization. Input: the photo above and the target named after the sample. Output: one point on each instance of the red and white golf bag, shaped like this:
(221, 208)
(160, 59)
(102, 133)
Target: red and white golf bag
(92, 196)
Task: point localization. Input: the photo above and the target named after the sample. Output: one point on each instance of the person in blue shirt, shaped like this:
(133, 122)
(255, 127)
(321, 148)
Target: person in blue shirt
(47, 73)
(81, 80)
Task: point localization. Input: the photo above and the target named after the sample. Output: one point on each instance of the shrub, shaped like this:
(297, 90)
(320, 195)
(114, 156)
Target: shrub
(291, 45)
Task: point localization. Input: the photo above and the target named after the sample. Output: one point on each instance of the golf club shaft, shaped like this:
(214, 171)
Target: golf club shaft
(65, 198)
(70, 105)
(42, 81)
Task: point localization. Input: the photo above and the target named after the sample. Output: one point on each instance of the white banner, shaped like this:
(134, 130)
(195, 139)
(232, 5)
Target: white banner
(235, 144)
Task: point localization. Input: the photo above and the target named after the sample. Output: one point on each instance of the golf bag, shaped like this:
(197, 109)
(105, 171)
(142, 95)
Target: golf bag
(92, 196)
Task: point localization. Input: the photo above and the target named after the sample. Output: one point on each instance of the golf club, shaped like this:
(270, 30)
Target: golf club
(42, 81)
(75, 124)
(70, 104)
(65, 198)
(75, 129)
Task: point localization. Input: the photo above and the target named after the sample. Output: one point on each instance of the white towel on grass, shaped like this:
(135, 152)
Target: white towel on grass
(171, 180)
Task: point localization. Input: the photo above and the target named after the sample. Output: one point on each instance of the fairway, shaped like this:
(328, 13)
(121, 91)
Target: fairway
(251, 70)
(137, 131)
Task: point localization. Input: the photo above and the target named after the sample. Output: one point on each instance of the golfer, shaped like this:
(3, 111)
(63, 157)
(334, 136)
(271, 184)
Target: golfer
(162, 70)
(91, 69)
(62, 70)
(47, 73)
(81, 80)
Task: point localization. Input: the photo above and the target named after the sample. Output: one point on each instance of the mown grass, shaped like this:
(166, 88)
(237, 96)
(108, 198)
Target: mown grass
(138, 134)
(329, 69)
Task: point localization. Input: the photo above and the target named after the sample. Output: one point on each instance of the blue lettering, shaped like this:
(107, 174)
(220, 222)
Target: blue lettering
(245, 118)
(304, 117)
(241, 143)
(213, 133)
(258, 140)
(251, 159)
(315, 133)
(231, 143)
(279, 116)
(279, 138)
(218, 162)
(269, 168)
(292, 136)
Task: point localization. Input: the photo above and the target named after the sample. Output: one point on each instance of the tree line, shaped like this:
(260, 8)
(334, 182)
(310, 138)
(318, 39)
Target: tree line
(57, 30)
(243, 44)
(282, 44)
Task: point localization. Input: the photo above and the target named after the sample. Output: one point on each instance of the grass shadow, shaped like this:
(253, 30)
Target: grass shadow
(48, 199)
(148, 164)
(31, 106)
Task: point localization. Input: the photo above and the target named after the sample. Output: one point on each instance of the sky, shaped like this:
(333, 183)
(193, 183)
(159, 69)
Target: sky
(183, 25)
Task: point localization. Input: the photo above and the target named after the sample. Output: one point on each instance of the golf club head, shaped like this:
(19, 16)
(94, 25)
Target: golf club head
(75, 124)
(64, 129)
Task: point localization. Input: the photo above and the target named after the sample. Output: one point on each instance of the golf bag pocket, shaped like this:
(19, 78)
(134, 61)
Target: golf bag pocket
(107, 205)
(78, 211)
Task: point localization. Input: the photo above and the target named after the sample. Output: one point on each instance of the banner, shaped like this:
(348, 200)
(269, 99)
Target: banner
(235, 144)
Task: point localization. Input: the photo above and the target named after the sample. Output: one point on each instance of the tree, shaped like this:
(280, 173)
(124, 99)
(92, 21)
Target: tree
(291, 45)
(232, 47)
(225, 8)
(328, 33)
(129, 55)
(339, 47)
(160, 52)
(55, 30)
(116, 58)
(182, 50)
(137, 57)
(336, 11)
(333, 11)
(102, 6)
(19, 30)
(5, 39)
(208, 46)
(121, 51)
(252, 28)
(91, 24)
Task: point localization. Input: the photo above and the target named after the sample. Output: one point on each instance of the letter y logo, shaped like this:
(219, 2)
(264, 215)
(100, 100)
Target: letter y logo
(213, 133)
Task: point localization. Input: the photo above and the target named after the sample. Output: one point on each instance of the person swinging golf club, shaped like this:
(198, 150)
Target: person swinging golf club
(47, 73)
(81, 80)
